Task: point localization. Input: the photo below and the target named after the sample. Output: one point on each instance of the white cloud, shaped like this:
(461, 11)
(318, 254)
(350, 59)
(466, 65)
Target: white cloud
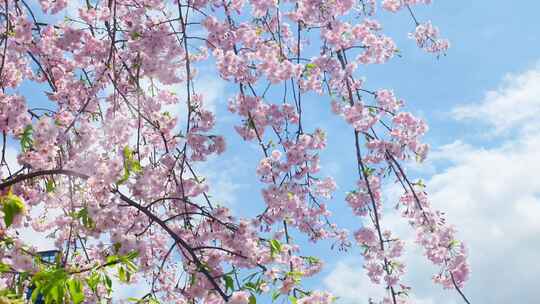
(492, 195)
(123, 291)
(349, 282)
(211, 88)
(72, 9)
(223, 176)
(514, 104)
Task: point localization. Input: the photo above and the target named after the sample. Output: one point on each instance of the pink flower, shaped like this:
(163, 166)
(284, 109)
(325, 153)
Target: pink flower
(239, 297)
(366, 236)
(427, 37)
(392, 5)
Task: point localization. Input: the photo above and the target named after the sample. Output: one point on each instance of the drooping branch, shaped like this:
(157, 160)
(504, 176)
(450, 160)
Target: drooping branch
(23, 177)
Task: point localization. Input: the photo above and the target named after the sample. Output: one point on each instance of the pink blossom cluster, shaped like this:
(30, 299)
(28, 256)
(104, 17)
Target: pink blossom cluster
(357, 115)
(343, 35)
(259, 115)
(317, 297)
(53, 7)
(13, 115)
(157, 54)
(381, 264)
(290, 200)
(437, 238)
(381, 250)
(396, 5)
(360, 200)
(45, 148)
(233, 67)
(15, 66)
(427, 38)
(407, 132)
(388, 101)
(404, 134)
(315, 12)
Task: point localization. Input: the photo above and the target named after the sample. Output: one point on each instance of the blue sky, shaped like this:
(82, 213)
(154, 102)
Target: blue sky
(480, 101)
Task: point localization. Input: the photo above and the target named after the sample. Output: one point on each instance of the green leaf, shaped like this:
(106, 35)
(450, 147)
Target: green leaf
(192, 279)
(229, 283)
(310, 66)
(112, 259)
(128, 266)
(122, 274)
(130, 165)
(252, 299)
(295, 275)
(51, 284)
(35, 294)
(92, 281)
(124, 177)
(144, 300)
(275, 296)
(250, 286)
(368, 171)
(275, 247)
(4, 267)
(54, 294)
(256, 286)
(75, 291)
(312, 260)
(293, 299)
(85, 218)
(12, 205)
(128, 154)
(420, 183)
(136, 167)
(108, 282)
(26, 138)
(132, 255)
(453, 243)
(49, 185)
(117, 246)
(135, 35)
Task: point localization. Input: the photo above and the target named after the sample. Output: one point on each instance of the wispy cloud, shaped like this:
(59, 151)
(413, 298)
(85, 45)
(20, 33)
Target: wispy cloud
(514, 104)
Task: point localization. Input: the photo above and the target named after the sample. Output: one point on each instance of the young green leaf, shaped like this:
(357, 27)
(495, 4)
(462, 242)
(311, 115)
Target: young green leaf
(4, 267)
(275, 247)
(252, 299)
(12, 206)
(293, 299)
(130, 165)
(229, 283)
(122, 274)
(26, 138)
(75, 291)
(49, 185)
(92, 281)
(275, 296)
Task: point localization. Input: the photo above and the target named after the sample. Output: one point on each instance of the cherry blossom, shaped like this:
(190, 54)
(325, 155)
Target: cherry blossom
(110, 153)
